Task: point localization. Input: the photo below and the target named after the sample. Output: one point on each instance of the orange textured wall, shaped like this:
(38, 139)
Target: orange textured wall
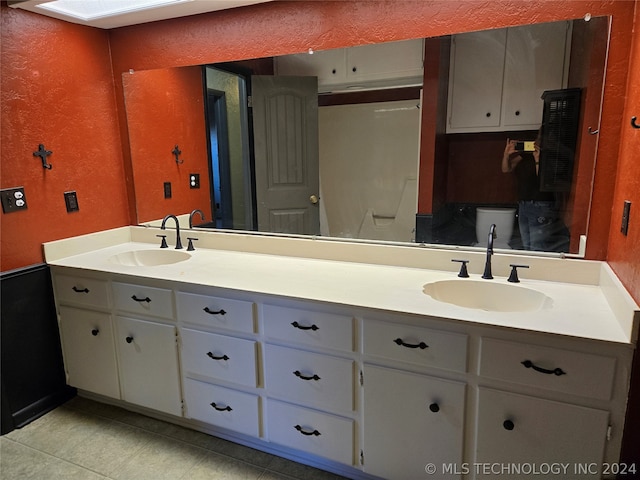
(289, 27)
(57, 89)
(624, 251)
(165, 108)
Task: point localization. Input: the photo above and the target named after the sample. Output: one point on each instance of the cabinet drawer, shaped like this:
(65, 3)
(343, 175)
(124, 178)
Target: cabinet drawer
(517, 430)
(223, 407)
(417, 345)
(549, 368)
(216, 312)
(82, 291)
(143, 300)
(318, 380)
(306, 327)
(319, 433)
(89, 351)
(219, 357)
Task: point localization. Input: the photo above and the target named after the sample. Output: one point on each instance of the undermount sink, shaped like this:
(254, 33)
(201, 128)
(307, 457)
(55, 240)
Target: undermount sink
(149, 258)
(487, 295)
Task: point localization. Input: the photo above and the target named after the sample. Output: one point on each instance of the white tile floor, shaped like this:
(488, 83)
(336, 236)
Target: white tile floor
(87, 440)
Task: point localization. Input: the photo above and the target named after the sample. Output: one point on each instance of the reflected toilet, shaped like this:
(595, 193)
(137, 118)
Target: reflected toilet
(504, 219)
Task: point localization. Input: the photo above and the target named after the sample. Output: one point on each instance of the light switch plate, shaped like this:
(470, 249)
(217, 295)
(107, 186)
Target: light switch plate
(625, 217)
(71, 200)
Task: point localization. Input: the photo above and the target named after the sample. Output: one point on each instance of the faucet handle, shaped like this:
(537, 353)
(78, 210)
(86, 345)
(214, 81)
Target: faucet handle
(513, 277)
(190, 247)
(163, 244)
(463, 268)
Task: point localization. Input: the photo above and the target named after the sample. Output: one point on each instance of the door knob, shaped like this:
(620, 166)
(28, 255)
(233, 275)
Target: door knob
(314, 199)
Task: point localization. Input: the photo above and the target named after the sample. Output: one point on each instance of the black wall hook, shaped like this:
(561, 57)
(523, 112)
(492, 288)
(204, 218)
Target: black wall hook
(633, 123)
(43, 154)
(176, 151)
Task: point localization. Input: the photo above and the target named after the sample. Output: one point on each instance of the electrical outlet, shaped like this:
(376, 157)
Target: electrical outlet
(71, 200)
(625, 217)
(194, 180)
(167, 189)
(13, 199)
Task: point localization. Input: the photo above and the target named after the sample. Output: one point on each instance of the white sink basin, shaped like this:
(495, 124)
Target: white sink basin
(149, 258)
(488, 295)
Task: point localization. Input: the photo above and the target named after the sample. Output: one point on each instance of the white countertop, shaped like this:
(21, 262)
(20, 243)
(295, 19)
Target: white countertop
(578, 310)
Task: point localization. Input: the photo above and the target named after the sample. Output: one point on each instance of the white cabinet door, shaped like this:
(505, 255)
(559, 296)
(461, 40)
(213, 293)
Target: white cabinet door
(517, 430)
(328, 65)
(89, 352)
(410, 421)
(497, 76)
(475, 89)
(148, 364)
(388, 60)
(391, 63)
(534, 62)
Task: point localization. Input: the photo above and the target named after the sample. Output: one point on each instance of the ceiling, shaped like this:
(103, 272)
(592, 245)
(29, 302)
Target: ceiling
(114, 17)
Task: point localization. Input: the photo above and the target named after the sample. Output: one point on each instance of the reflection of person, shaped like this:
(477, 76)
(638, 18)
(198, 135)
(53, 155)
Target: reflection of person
(537, 212)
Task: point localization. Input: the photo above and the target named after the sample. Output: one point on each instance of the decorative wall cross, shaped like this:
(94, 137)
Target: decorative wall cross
(43, 154)
(176, 151)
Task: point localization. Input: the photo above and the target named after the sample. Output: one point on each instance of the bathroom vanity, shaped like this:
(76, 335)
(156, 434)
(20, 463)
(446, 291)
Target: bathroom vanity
(342, 361)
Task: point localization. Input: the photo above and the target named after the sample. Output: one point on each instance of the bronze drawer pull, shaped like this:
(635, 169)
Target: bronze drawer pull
(313, 327)
(421, 345)
(214, 312)
(304, 432)
(213, 357)
(555, 371)
(145, 299)
(220, 409)
(303, 377)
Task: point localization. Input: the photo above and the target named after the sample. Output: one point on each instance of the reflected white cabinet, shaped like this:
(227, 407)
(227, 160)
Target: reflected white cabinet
(410, 420)
(377, 65)
(497, 77)
(88, 349)
(148, 364)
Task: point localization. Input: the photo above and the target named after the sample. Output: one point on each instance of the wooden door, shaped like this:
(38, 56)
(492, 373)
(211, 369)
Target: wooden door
(285, 123)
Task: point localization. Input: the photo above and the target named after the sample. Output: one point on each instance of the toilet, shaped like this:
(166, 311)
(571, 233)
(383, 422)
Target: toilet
(503, 218)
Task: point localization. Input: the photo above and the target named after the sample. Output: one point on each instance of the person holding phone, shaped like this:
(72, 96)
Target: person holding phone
(537, 212)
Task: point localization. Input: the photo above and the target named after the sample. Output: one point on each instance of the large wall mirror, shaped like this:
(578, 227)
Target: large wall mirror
(411, 141)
